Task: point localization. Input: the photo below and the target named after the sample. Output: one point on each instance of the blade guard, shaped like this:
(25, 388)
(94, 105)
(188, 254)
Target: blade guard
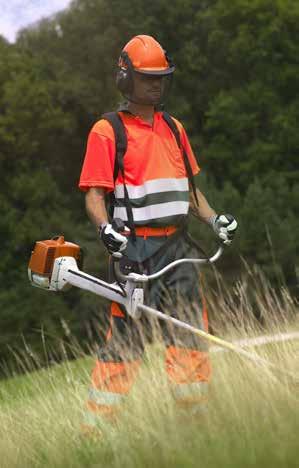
(43, 256)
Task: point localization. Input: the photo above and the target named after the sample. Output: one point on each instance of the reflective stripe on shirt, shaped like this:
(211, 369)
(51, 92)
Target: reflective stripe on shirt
(153, 186)
(155, 213)
(160, 202)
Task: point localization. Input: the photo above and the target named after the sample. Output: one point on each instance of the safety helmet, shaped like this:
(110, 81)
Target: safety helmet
(144, 55)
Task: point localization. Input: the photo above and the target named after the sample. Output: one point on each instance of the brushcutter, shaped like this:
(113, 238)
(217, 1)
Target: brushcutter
(54, 266)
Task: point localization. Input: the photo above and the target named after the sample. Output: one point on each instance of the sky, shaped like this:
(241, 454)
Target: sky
(16, 14)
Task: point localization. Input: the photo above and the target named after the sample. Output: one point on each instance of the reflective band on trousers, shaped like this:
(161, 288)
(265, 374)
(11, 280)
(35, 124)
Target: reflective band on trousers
(105, 398)
(192, 390)
(95, 421)
(91, 419)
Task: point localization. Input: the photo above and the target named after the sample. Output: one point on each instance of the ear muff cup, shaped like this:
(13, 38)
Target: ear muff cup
(124, 76)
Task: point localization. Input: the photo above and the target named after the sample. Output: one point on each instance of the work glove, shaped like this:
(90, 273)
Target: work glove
(224, 226)
(113, 240)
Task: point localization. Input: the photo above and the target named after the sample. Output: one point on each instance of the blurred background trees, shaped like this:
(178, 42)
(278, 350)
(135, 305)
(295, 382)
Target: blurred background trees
(236, 90)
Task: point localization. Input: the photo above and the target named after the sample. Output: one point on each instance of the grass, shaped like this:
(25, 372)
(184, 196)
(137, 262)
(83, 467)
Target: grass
(253, 420)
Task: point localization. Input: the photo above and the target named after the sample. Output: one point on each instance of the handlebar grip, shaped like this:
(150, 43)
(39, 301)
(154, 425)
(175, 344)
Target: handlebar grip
(117, 256)
(118, 225)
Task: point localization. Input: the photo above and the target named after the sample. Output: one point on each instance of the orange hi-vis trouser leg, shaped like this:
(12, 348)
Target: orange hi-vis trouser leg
(186, 362)
(115, 371)
(189, 370)
(113, 375)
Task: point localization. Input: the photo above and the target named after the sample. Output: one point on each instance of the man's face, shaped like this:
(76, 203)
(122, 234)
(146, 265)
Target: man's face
(148, 88)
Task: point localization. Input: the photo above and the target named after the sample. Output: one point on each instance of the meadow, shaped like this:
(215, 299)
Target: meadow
(252, 417)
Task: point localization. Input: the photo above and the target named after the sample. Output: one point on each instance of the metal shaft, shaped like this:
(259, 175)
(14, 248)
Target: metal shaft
(220, 342)
(82, 280)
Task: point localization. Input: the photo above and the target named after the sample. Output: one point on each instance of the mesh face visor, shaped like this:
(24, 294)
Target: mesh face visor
(155, 90)
(165, 87)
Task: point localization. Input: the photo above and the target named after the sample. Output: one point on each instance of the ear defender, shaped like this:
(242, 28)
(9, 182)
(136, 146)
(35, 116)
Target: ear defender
(124, 76)
(169, 59)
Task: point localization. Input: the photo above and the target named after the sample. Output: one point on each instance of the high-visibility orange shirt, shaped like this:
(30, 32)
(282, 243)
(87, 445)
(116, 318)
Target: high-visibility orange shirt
(155, 173)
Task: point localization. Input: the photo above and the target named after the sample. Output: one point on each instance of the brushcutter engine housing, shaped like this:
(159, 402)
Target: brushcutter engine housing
(42, 268)
(53, 266)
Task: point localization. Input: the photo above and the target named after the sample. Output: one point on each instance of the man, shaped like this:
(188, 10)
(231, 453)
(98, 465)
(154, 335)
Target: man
(151, 183)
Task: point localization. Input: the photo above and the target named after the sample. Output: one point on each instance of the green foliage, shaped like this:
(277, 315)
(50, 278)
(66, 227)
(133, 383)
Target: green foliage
(268, 219)
(253, 104)
(272, 233)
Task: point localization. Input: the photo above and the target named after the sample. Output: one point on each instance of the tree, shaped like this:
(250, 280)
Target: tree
(235, 89)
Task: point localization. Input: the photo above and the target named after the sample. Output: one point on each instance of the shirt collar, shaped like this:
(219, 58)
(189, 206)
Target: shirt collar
(123, 107)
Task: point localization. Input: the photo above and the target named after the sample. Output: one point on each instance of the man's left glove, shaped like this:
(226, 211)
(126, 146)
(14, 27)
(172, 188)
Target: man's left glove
(224, 226)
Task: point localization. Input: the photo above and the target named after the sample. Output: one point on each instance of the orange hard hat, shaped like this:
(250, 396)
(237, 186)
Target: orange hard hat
(146, 56)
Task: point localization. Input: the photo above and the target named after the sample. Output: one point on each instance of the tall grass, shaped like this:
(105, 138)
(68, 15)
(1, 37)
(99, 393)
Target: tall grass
(253, 420)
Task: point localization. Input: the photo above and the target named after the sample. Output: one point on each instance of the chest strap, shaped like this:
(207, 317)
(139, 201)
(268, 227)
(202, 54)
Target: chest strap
(173, 127)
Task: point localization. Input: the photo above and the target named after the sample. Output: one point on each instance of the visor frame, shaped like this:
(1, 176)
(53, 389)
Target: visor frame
(165, 72)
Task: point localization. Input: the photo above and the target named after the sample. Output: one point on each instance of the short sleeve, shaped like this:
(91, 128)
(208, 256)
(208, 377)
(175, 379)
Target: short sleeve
(98, 164)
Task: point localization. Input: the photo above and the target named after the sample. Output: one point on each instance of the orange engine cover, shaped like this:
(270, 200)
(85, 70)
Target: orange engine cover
(46, 251)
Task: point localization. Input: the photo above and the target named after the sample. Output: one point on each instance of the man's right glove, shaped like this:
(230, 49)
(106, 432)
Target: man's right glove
(113, 240)
(224, 226)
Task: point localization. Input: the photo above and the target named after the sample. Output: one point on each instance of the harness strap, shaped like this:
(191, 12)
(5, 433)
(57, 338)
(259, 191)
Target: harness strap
(173, 127)
(121, 143)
